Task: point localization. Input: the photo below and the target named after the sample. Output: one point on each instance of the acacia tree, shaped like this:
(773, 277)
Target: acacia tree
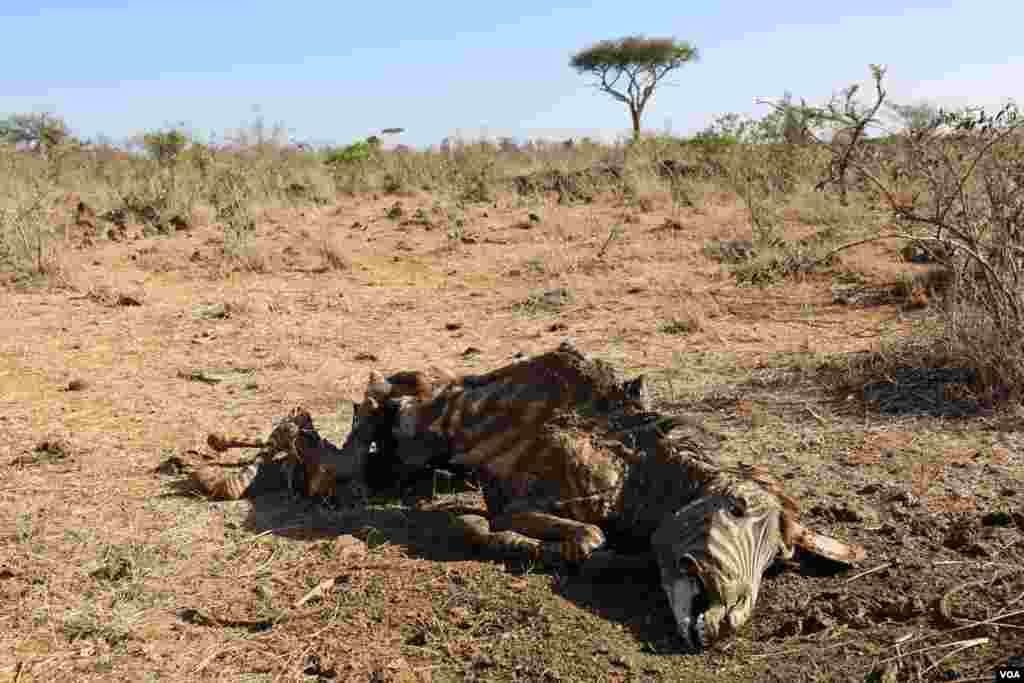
(629, 69)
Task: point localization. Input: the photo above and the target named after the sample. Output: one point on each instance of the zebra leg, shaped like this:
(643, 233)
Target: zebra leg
(508, 544)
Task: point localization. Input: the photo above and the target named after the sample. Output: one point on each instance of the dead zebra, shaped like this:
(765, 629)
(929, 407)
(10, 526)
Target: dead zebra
(572, 461)
(309, 464)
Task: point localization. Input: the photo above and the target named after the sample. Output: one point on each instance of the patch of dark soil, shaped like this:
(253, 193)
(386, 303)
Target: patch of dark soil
(925, 391)
(46, 452)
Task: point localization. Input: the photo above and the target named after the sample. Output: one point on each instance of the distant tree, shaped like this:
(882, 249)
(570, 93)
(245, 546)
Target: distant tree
(631, 68)
(917, 118)
(40, 133)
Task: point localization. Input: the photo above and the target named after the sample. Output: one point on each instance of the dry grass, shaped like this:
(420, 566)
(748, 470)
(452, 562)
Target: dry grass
(109, 571)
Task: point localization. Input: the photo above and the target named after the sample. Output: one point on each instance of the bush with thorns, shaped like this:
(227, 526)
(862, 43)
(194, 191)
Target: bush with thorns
(955, 186)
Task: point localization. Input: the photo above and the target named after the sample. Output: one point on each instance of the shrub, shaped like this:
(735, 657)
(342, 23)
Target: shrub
(955, 182)
(355, 153)
(165, 146)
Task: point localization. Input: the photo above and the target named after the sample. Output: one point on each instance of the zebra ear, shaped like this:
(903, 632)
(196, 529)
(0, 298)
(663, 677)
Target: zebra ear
(569, 346)
(377, 386)
(636, 390)
(444, 375)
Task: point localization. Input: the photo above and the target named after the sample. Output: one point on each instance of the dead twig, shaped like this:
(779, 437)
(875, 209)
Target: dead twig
(275, 531)
(318, 592)
(981, 564)
(848, 245)
(794, 651)
(969, 623)
(944, 606)
(817, 417)
(197, 376)
(967, 644)
(869, 571)
(217, 651)
(964, 643)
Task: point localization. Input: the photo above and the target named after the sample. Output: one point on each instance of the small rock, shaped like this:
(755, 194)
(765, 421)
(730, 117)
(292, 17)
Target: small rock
(905, 498)
(484, 662)
(451, 327)
(459, 616)
(76, 385)
(620, 660)
(471, 351)
(888, 674)
(556, 297)
(366, 356)
(418, 639)
(965, 541)
(348, 547)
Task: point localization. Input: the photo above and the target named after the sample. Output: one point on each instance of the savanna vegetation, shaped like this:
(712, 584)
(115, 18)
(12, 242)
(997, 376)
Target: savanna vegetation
(835, 285)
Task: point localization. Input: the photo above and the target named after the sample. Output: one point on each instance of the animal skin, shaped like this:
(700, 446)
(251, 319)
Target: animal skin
(552, 381)
(572, 461)
(479, 413)
(310, 463)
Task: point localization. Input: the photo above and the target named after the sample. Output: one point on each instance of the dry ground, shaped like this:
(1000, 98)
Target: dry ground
(112, 571)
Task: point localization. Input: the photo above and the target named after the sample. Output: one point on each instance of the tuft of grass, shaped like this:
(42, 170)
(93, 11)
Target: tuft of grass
(85, 622)
(535, 265)
(246, 256)
(782, 260)
(681, 326)
(24, 526)
(123, 563)
(331, 255)
(729, 251)
(546, 302)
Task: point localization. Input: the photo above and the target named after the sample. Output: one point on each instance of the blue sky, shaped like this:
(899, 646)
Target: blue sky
(338, 71)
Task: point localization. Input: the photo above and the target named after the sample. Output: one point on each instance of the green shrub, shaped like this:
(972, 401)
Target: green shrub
(165, 146)
(355, 153)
